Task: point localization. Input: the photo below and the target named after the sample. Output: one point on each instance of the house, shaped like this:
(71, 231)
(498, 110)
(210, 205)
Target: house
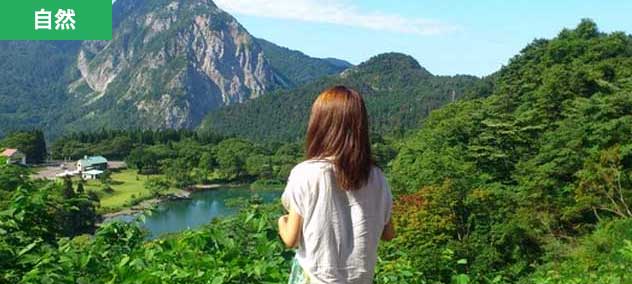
(91, 174)
(92, 163)
(14, 156)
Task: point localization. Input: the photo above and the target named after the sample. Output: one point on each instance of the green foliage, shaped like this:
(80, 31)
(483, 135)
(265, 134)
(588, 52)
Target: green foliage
(240, 249)
(603, 184)
(526, 180)
(37, 216)
(601, 257)
(398, 93)
(231, 157)
(541, 160)
(34, 77)
(296, 67)
(119, 144)
(156, 185)
(187, 157)
(11, 177)
(31, 143)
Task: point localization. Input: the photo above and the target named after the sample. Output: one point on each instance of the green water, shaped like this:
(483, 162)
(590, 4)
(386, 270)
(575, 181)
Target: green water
(175, 216)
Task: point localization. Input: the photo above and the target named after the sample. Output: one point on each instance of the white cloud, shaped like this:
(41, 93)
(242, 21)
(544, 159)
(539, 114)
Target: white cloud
(334, 12)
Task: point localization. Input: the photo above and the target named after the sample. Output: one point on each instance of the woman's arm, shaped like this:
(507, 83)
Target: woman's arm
(290, 228)
(389, 231)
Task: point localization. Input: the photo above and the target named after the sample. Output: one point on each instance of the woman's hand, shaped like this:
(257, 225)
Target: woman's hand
(389, 231)
(283, 220)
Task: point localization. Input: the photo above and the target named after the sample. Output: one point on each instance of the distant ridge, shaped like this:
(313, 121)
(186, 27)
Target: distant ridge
(169, 63)
(399, 93)
(297, 67)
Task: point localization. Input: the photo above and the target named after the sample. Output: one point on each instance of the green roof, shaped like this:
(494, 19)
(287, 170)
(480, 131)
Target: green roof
(94, 160)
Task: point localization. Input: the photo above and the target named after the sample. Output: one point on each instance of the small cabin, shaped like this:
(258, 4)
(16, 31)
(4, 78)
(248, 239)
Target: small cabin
(92, 163)
(14, 156)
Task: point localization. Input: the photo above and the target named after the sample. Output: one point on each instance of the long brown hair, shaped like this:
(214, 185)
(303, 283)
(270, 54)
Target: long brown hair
(339, 128)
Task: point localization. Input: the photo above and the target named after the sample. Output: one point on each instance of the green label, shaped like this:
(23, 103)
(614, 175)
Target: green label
(56, 20)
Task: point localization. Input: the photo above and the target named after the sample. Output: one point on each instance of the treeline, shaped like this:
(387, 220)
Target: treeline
(117, 144)
(398, 92)
(188, 157)
(297, 68)
(185, 157)
(32, 143)
(532, 184)
(35, 75)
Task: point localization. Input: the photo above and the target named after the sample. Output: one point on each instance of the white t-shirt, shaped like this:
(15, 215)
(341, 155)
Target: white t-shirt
(341, 229)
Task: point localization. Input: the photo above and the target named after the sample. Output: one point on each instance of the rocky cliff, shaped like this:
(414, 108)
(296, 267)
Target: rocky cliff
(169, 63)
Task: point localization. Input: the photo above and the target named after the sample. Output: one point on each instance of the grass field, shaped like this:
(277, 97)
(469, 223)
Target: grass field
(129, 190)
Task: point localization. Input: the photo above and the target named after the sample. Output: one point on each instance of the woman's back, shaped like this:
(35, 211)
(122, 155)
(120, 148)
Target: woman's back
(341, 228)
(338, 201)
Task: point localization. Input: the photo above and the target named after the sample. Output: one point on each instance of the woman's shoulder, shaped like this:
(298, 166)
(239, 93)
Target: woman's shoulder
(312, 167)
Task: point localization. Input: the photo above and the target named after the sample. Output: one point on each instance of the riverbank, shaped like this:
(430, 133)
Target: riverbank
(148, 204)
(127, 189)
(203, 187)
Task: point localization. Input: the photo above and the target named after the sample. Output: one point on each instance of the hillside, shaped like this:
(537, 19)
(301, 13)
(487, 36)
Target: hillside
(168, 64)
(526, 179)
(399, 93)
(516, 182)
(298, 68)
(33, 80)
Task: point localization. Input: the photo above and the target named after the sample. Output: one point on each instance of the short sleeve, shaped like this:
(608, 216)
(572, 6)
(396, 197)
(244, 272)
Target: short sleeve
(294, 195)
(388, 201)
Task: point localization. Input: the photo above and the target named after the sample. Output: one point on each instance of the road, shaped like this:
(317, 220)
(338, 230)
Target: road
(53, 168)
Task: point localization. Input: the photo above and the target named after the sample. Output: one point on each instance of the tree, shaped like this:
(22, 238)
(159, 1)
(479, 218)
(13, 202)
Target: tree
(80, 187)
(176, 171)
(12, 177)
(69, 191)
(106, 181)
(604, 186)
(231, 157)
(31, 143)
(207, 161)
(259, 165)
(156, 185)
(144, 161)
(542, 158)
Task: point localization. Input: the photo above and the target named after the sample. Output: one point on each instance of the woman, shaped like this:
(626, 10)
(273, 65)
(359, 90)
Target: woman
(339, 202)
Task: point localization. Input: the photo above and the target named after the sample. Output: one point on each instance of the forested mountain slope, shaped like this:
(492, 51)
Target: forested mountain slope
(509, 181)
(33, 80)
(528, 179)
(296, 67)
(168, 64)
(399, 93)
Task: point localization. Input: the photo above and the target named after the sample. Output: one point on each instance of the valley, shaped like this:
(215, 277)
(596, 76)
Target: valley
(522, 176)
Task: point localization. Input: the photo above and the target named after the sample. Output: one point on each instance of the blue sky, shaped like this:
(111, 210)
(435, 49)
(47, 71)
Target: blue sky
(446, 36)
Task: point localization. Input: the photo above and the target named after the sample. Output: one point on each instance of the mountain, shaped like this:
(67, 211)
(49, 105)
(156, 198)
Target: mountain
(33, 80)
(544, 159)
(298, 68)
(169, 63)
(398, 92)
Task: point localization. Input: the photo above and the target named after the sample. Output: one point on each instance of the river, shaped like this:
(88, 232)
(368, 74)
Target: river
(200, 209)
